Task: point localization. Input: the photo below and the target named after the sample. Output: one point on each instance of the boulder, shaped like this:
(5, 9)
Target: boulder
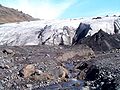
(8, 52)
(28, 70)
(92, 73)
(60, 73)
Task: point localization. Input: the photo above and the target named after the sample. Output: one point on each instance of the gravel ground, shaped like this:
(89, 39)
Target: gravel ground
(58, 68)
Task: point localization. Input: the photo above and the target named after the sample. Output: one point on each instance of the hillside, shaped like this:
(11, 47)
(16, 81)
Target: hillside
(8, 15)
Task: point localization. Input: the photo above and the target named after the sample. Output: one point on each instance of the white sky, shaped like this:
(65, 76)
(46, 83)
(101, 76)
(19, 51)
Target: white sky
(45, 9)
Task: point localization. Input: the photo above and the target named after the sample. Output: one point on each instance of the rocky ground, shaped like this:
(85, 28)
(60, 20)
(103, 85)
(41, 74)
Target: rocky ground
(58, 68)
(94, 64)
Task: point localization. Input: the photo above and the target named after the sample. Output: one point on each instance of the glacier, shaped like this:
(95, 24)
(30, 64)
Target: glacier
(49, 32)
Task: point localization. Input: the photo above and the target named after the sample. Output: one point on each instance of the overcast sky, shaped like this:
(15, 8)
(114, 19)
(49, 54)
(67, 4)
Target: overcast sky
(61, 9)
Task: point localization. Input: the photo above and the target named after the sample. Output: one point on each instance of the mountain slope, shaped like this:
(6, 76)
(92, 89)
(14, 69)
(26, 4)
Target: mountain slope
(8, 15)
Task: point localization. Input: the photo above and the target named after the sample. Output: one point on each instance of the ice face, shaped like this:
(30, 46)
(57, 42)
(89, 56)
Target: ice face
(54, 31)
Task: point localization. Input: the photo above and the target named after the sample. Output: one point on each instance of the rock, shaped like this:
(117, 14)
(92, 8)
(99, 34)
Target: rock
(98, 78)
(7, 66)
(81, 66)
(29, 86)
(20, 73)
(8, 52)
(102, 41)
(4, 66)
(41, 77)
(1, 86)
(61, 73)
(37, 71)
(28, 70)
(77, 84)
(81, 75)
(92, 73)
(116, 55)
(97, 18)
(86, 88)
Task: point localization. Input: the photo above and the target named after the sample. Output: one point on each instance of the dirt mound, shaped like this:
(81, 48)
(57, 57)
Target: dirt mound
(102, 41)
(8, 15)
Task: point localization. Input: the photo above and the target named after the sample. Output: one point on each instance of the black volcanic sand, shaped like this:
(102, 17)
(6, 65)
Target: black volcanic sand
(99, 72)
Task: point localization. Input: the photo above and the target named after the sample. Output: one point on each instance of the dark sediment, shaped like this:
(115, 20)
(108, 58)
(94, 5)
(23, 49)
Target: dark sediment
(102, 41)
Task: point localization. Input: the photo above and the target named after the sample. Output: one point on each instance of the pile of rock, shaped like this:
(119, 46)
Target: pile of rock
(96, 78)
(102, 41)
